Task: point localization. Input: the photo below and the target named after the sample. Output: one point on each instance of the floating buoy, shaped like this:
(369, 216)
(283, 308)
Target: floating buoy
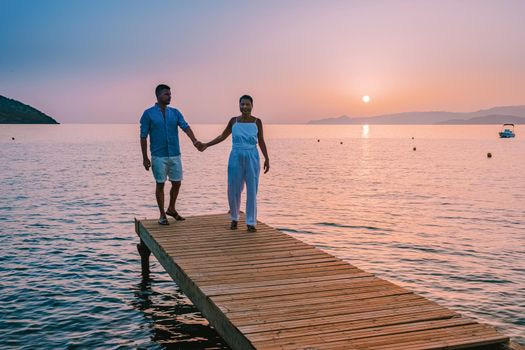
(318, 140)
(412, 137)
(414, 148)
(489, 155)
(341, 142)
(12, 138)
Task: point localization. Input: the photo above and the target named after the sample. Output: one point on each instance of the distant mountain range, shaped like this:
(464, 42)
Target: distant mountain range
(15, 112)
(495, 115)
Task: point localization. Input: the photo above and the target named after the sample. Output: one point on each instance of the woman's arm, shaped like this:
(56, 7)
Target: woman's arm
(262, 146)
(227, 132)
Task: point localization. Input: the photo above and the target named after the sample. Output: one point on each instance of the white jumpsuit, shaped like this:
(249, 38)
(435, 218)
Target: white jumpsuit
(244, 167)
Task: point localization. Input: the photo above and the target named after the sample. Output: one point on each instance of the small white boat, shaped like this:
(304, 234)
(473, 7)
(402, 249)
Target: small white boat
(506, 133)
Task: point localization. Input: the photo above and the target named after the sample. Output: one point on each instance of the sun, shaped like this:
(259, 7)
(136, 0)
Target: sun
(366, 99)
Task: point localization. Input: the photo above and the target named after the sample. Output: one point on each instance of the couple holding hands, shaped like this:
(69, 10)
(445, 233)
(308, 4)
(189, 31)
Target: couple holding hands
(161, 124)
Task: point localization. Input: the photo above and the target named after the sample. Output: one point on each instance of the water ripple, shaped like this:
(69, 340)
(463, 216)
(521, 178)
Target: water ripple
(439, 221)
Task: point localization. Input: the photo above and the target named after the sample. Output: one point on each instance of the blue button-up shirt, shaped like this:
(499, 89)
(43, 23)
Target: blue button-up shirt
(163, 132)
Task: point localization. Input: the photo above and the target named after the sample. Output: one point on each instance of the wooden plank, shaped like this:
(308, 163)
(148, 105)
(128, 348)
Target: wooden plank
(321, 305)
(232, 246)
(168, 235)
(181, 253)
(272, 270)
(286, 299)
(269, 290)
(303, 315)
(317, 285)
(217, 319)
(259, 277)
(229, 260)
(311, 301)
(448, 338)
(260, 264)
(409, 310)
(348, 286)
(293, 342)
(290, 281)
(320, 329)
(255, 258)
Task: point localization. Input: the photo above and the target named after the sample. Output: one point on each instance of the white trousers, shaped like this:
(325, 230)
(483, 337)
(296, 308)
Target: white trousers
(243, 167)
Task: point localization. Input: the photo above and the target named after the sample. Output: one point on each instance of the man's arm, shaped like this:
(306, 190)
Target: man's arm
(145, 124)
(191, 135)
(186, 128)
(144, 147)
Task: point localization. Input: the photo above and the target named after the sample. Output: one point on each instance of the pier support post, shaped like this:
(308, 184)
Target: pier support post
(144, 257)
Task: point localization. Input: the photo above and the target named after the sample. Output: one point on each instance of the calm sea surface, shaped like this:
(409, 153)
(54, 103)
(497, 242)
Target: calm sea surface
(444, 221)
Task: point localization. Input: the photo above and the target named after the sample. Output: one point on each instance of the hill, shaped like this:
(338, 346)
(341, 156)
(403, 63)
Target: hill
(488, 119)
(494, 115)
(15, 112)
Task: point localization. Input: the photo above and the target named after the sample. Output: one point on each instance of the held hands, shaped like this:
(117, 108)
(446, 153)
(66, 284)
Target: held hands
(200, 146)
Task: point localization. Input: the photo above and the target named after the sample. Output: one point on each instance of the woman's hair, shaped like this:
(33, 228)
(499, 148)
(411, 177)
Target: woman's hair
(246, 97)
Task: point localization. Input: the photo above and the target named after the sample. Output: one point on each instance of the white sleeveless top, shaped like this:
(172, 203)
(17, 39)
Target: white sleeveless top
(244, 135)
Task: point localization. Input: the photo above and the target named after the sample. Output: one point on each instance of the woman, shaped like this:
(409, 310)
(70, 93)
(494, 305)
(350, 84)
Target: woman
(243, 164)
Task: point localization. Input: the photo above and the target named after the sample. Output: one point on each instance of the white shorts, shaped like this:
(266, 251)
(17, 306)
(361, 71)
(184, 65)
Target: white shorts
(166, 167)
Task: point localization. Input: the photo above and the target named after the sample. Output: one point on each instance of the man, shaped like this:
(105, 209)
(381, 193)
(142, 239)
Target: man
(161, 123)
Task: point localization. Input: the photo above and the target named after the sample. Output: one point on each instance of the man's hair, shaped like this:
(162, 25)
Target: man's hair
(246, 97)
(161, 87)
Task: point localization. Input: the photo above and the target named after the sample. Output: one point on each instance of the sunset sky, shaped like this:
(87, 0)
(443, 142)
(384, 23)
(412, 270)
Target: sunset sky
(99, 61)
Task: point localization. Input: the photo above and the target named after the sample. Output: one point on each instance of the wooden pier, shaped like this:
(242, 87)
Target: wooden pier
(268, 290)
